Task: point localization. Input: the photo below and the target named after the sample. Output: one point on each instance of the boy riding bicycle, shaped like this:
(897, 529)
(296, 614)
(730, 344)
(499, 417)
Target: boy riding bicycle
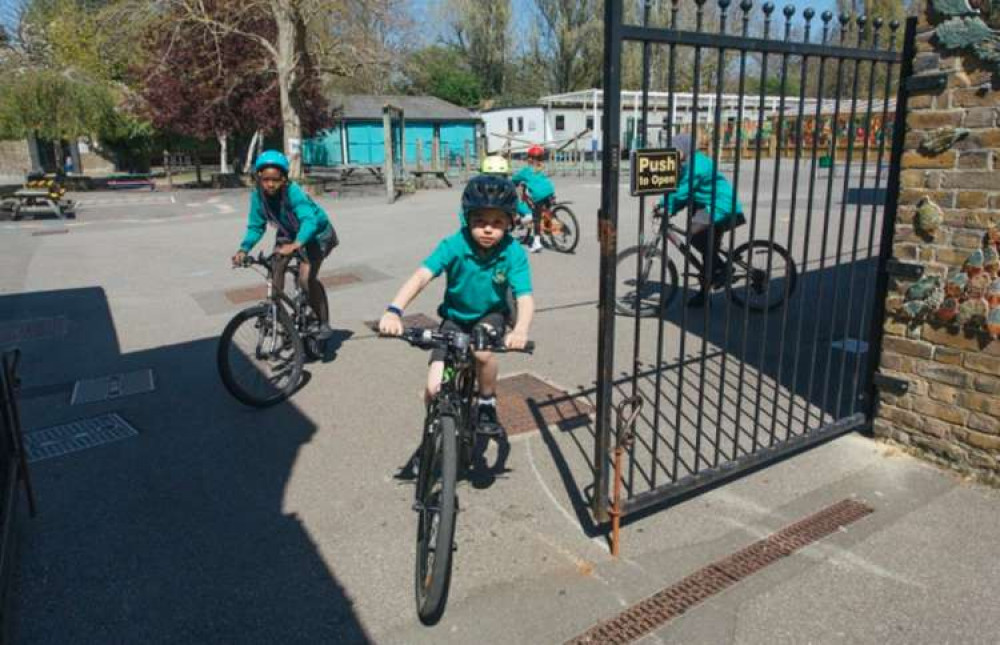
(482, 261)
(722, 214)
(303, 229)
(537, 187)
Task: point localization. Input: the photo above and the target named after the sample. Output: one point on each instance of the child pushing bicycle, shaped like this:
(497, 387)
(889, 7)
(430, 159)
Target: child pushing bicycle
(481, 263)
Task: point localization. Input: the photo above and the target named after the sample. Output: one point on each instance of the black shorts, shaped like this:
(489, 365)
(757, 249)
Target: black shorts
(497, 320)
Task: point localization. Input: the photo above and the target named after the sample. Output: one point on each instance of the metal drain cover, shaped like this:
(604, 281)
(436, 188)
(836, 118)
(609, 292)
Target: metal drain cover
(526, 403)
(114, 386)
(75, 436)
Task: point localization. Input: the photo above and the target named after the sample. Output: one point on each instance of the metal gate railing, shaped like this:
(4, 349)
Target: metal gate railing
(727, 388)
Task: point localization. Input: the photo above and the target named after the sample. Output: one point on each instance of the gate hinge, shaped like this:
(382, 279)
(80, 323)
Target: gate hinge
(891, 384)
(927, 82)
(904, 269)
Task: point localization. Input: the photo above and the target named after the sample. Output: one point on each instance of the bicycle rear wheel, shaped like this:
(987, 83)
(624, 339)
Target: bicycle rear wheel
(561, 232)
(436, 505)
(260, 356)
(764, 276)
(645, 293)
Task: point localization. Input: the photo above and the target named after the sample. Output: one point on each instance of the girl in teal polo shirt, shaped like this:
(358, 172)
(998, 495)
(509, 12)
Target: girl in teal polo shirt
(481, 262)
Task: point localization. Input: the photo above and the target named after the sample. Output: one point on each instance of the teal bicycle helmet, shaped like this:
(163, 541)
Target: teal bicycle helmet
(271, 159)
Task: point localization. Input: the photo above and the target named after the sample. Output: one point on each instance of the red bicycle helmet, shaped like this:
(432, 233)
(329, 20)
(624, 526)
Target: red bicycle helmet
(536, 152)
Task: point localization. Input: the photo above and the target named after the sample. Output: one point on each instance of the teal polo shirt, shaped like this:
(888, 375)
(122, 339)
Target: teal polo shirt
(539, 186)
(478, 285)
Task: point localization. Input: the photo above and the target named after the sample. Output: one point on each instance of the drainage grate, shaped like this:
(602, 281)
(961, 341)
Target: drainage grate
(526, 403)
(411, 320)
(114, 386)
(33, 329)
(662, 607)
(79, 435)
(56, 231)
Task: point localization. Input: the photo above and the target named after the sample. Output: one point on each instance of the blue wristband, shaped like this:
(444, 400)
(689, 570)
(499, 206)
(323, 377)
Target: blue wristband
(393, 309)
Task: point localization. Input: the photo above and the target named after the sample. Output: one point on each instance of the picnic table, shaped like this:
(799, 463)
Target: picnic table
(39, 199)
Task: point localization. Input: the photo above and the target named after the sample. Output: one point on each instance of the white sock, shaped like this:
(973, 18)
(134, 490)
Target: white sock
(491, 401)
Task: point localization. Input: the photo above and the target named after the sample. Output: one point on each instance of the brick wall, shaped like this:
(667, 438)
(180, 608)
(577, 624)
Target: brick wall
(951, 413)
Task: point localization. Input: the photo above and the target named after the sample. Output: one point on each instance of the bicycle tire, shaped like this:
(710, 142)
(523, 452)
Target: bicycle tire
(294, 369)
(626, 301)
(436, 483)
(738, 292)
(567, 219)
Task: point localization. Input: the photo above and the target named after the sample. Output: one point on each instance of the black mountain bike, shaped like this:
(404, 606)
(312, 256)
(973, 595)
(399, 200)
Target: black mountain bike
(446, 450)
(760, 275)
(264, 347)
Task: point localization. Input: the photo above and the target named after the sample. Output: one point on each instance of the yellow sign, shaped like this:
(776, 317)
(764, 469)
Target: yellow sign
(655, 171)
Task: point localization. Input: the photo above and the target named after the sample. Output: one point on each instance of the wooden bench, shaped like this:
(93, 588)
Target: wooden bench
(131, 181)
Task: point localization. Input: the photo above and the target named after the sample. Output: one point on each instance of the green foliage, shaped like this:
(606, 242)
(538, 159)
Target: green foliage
(53, 106)
(441, 71)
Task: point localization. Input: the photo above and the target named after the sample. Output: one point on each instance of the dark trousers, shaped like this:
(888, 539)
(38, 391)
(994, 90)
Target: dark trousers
(308, 277)
(713, 263)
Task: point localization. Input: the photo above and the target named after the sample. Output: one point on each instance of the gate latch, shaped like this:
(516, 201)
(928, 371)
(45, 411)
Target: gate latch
(891, 384)
(904, 269)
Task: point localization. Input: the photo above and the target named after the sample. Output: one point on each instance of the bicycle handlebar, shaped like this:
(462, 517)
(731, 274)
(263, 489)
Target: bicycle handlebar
(431, 339)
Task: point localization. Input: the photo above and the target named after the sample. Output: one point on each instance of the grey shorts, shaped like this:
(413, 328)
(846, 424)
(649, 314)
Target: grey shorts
(497, 320)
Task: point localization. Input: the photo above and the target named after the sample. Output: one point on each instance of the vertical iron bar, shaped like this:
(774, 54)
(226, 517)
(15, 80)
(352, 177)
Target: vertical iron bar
(826, 17)
(841, 225)
(745, 6)
(640, 133)
(671, 111)
(800, 116)
(826, 220)
(768, 10)
(858, 214)
(696, 89)
(889, 217)
(608, 226)
(893, 26)
(709, 262)
(788, 12)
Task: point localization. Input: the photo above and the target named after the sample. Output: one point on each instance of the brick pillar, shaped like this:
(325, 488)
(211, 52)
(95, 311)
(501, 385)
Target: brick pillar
(949, 199)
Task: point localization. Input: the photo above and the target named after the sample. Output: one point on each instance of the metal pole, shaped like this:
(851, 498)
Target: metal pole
(387, 171)
(607, 218)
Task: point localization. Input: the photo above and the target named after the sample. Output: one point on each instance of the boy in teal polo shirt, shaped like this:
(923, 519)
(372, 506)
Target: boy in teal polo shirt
(537, 185)
(482, 261)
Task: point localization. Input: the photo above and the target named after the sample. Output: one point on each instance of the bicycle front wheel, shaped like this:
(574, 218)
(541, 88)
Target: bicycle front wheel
(645, 293)
(561, 232)
(260, 356)
(436, 504)
(763, 276)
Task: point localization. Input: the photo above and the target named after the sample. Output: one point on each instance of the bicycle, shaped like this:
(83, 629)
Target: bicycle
(555, 223)
(269, 342)
(760, 274)
(446, 449)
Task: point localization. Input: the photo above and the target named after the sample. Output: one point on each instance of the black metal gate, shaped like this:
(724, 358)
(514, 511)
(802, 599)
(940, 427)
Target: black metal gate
(802, 116)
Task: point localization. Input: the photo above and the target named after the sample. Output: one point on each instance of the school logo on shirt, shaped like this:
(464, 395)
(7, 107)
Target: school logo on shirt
(499, 277)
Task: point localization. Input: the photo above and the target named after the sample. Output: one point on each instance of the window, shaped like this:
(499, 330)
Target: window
(520, 124)
(510, 124)
(590, 123)
(560, 123)
(531, 125)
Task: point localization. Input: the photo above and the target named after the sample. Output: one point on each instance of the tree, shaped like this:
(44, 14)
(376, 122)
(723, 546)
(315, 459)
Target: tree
(480, 30)
(441, 71)
(208, 85)
(308, 40)
(572, 36)
(52, 106)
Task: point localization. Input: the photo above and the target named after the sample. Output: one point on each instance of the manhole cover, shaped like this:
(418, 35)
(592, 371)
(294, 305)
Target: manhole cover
(652, 613)
(33, 329)
(259, 292)
(527, 403)
(114, 386)
(75, 436)
(410, 320)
